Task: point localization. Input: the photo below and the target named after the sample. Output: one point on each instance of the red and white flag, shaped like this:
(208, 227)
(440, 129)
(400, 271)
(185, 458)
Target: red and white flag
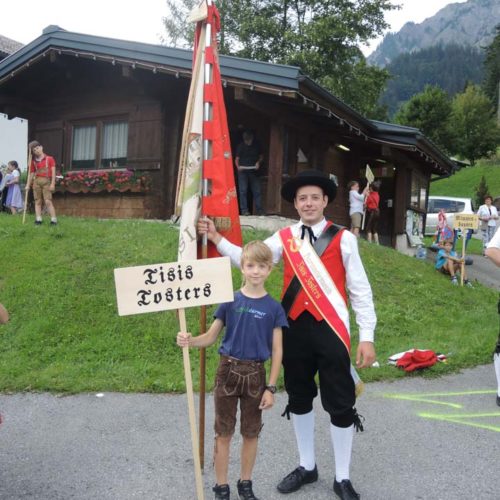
(205, 183)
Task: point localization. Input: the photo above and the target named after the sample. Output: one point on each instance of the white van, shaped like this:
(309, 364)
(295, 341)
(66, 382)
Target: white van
(451, 205)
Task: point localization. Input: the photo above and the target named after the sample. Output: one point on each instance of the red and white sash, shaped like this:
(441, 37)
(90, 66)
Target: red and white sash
(317, 283)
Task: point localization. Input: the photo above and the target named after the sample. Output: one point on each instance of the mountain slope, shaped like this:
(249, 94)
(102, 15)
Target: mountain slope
(471, 23)
(451, 67)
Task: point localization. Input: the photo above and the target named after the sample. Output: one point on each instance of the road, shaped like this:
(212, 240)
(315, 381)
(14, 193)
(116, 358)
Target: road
(424, 439)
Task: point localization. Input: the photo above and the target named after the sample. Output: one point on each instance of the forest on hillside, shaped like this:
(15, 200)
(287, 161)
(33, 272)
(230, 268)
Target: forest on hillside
(451, 67)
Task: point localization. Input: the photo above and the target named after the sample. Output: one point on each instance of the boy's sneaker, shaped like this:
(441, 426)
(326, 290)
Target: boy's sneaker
(38, 223)
(221, 491)
(454, 280)
(53, 223)
(468, 283)
(245, 491)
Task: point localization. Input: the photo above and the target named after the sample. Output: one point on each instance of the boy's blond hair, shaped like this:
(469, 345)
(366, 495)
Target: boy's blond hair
(257, 251)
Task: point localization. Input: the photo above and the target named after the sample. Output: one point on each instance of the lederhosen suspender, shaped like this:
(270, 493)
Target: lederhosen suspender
(320, 245)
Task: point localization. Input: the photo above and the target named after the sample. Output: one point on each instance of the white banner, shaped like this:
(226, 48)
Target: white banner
(173, 285)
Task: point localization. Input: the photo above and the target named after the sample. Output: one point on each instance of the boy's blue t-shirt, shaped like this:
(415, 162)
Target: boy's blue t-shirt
(249, 326)
(442, 256)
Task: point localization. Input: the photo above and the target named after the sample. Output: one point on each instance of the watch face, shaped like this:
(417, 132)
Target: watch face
(271, 388)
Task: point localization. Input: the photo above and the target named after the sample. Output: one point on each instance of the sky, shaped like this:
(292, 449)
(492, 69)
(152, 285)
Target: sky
(139, 21)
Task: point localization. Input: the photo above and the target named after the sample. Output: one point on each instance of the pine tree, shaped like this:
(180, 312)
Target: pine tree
(481, 191)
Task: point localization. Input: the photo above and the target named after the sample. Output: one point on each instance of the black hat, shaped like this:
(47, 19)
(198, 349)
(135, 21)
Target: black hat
(309, 178)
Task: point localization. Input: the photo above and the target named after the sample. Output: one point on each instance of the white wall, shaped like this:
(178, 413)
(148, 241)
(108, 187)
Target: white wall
(13, 140)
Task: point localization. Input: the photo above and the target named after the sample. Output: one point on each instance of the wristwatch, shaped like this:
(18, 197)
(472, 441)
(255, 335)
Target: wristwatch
(271, 388)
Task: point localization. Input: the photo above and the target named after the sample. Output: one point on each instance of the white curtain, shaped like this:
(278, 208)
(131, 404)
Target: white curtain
(84, 138)
(114, 140)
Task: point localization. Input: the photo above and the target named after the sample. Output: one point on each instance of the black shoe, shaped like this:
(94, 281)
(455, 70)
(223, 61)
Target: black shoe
(498, 400)
(53, 223)
(245, 491)
(38, 223)
(297, 478)
(344, 490)
(221, 491)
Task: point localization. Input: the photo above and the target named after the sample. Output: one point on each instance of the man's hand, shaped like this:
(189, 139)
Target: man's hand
(207, 226)
(365, 354)
(52, 187)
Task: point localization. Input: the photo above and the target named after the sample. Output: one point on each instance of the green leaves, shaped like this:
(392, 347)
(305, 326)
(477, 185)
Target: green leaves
(475, 124)
(321, 37)
(430, 112)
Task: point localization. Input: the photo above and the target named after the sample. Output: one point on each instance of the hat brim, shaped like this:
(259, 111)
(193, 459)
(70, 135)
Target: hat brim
(291, 186)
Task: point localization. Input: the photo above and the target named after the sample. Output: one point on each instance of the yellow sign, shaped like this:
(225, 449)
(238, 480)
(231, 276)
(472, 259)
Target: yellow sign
(466, 221)
(369, 174)
(174, 285)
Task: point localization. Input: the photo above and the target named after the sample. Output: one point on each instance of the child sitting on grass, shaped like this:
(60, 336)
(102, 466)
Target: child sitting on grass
(253, 334)
(449, 263)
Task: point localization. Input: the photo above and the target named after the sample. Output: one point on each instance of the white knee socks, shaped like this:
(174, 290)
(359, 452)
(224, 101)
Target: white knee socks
(304, 434)
(496, 362)
(342, 438)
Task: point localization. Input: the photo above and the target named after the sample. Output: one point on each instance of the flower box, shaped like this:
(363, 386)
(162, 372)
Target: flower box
(97, 181)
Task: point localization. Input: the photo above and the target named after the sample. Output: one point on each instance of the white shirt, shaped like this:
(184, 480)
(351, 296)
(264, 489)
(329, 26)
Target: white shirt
(491, 211)
(356, 202)
(358, 287)
(495, 241)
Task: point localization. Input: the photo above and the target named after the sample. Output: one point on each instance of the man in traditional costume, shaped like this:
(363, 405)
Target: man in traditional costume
(322, 267)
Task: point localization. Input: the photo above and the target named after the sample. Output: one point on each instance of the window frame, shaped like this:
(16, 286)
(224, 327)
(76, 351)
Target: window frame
(99, 124)
(419, 181)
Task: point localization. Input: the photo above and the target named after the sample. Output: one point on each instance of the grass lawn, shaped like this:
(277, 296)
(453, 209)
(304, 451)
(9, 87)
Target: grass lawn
(65, 334)
(464, 183)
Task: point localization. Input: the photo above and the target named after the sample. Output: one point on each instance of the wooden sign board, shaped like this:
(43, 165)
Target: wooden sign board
(174, 285)
(466, 221)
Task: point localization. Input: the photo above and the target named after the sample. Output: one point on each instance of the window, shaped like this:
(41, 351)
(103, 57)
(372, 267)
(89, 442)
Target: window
(418, 190)
(449, 206)
(99, 145)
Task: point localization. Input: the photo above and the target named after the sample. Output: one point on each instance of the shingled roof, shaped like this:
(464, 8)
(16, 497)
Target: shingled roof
(8, 46)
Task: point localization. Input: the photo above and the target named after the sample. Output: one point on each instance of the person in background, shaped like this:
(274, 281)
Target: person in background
(253, 322)
(43, 172)
(448, 262)
(248, 161)
(356, 206)
(14, 200)
(372, 212)
(488, 215)
(3, 189)
(493, 252)
(311, 345)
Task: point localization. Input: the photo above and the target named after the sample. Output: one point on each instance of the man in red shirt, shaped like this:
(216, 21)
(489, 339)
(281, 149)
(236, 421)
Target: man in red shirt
(43, 174)
(372, 207)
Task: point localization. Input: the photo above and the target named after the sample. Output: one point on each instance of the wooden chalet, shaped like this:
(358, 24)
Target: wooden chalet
(101, 104)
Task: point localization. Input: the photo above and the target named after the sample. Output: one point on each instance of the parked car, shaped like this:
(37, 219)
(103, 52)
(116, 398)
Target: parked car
(450, 205)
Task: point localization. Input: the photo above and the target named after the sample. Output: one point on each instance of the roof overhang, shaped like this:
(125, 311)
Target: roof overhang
(281, 80)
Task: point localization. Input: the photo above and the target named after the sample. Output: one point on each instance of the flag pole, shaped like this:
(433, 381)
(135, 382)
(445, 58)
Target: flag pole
(207, 116)
(370, 178)
(192, 414)
(27, 187)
